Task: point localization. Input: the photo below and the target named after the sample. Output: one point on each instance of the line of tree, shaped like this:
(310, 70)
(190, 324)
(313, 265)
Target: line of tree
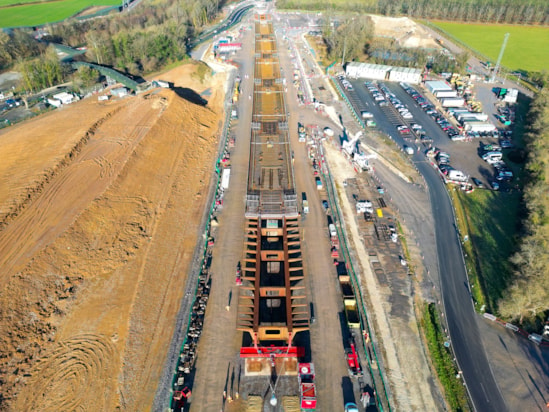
(18, 45)
(481, 11)
(388, 51)
(143, 40)
(528, 295)
(347, 38)
(40, 73)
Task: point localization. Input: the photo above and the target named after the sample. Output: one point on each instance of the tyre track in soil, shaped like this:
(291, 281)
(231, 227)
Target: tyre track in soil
(179, 206)
(75, 182)
(51, 172)
(72, 375)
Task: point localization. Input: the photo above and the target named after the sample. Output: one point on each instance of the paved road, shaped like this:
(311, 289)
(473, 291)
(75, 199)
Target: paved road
(461, 317)
(233, 18)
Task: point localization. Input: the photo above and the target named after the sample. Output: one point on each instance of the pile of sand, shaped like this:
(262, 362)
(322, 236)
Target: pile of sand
(100, 205)
(404, 30)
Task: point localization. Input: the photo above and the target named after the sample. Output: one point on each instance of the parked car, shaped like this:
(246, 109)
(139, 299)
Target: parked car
(477, 182)
(351, 407)
(506, 144)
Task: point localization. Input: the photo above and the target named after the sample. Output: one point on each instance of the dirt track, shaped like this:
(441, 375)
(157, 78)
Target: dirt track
(101, 204)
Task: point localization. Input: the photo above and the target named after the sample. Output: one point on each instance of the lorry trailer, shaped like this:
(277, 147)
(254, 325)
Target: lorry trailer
(470, 116)
(453, 102)
(445, 94)
(479, 127)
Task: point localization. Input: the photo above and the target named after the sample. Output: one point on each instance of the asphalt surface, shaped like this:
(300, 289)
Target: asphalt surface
(233, 18)
(460, 315)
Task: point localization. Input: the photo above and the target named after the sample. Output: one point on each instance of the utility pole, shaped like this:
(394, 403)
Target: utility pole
(498, 64)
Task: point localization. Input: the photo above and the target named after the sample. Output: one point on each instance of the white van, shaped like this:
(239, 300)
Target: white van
(332, 229)
(492, 157)
(457, 175)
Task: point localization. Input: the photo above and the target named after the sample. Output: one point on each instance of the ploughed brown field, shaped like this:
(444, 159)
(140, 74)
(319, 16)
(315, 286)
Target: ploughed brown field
(100, 204)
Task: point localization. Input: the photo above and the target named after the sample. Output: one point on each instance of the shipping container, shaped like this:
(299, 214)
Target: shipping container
(470, 116)
(479, 127)
(453, 102)
(440, 94)
(225, 177)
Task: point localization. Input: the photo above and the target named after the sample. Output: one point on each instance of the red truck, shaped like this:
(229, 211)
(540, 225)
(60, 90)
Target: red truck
(307, 388)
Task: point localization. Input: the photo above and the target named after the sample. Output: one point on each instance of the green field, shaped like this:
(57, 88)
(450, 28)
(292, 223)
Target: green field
(4, 3)
(527, 48)
(490, 220)
(37, 14)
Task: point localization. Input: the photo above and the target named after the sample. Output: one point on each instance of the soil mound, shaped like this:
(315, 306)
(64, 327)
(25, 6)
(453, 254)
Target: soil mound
(101, 205)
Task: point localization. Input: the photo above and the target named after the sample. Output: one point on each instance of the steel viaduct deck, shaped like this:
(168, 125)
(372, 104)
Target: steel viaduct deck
(272, 302)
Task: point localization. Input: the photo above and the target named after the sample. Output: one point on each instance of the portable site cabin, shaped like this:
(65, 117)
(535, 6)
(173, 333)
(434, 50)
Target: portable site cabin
(119, 92)
(435, 86)
(367, 70)
(405, 74)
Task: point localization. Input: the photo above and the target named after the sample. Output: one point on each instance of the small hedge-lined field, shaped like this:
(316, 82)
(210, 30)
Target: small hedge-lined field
(14, 13)
(526, 49)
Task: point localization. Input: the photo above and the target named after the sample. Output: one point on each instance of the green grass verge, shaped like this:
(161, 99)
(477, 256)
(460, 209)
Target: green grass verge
(37, 14)
(4, 3)
(490, 220)
(442, 359)
(526, 49)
